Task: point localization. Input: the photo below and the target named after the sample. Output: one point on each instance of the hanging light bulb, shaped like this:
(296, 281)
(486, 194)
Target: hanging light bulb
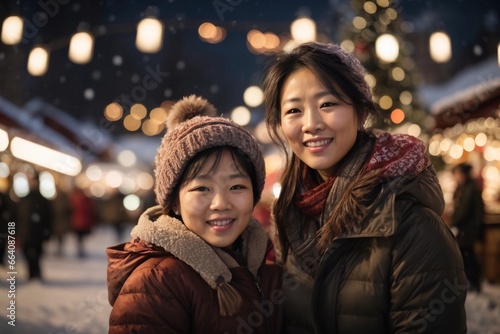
(498, 51)
(440, 47)
(303, 30)
(12, 30)
(4, 141)
(149, 38)
(387, 48)
(81, 47)
(253, 96)
(38, 61)
(241, 115)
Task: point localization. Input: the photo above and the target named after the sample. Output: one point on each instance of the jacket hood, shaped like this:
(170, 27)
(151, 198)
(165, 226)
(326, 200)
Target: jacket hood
(426, 190)
(159, 235)
(122, 261)
(423, 189)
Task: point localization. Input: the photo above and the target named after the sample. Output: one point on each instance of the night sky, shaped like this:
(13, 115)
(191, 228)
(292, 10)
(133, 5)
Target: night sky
(186, 64)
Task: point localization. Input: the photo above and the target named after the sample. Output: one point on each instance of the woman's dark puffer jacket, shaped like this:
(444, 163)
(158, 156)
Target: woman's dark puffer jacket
(389, 277)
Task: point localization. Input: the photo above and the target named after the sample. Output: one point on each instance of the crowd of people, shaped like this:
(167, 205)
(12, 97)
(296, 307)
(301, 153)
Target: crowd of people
(39, 219)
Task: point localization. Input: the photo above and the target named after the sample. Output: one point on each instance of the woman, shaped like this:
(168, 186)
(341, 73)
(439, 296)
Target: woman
(358, 218)
(196, 263)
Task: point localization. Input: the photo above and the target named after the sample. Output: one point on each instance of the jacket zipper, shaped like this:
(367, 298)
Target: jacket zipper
(336, 284)
(336, 279)
(261, 295)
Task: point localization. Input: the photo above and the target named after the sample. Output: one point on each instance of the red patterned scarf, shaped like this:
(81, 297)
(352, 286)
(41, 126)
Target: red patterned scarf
(393, 155)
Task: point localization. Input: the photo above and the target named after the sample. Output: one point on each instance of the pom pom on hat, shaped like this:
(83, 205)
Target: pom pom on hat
(187, 108)
(192, 128)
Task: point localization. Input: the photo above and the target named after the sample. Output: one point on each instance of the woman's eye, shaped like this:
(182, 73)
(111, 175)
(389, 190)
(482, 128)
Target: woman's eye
(292, 111)
(201, 189)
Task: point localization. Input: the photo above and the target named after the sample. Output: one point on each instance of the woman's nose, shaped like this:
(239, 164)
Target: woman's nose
(312, 121)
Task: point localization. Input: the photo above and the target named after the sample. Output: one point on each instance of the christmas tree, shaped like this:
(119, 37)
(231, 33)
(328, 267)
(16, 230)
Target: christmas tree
(376, 36)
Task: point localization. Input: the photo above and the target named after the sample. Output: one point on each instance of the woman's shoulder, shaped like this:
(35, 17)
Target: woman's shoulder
(423, 231)
(414, 217)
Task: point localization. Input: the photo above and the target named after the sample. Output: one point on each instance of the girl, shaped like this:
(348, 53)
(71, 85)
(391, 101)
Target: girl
(196, 263)
(358, 218)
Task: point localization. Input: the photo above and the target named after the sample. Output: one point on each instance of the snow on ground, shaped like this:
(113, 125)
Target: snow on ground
(73, 299)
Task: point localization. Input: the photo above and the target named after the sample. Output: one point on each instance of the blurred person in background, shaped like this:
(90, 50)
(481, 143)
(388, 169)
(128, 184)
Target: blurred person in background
(468, 219)
(114, 214)
(82, 217)
(61, 225)
(34, 215)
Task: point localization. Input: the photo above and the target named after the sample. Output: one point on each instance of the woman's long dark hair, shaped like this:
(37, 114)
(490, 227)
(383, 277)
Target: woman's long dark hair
(343, 76)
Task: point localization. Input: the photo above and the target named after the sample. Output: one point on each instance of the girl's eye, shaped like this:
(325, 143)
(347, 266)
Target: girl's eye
(238, 186)
(201, 189)
(328, 104)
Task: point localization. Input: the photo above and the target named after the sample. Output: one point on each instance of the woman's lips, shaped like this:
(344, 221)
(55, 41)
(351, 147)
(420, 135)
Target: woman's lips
(316, 146)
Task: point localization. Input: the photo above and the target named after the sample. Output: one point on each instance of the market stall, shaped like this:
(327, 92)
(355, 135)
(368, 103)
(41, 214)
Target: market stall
(468, 130)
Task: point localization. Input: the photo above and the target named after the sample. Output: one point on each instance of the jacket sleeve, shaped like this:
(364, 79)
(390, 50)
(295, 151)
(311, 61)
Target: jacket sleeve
(152, 300)
(428, 286)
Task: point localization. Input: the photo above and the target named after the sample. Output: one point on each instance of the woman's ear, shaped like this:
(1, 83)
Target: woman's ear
(362, 121)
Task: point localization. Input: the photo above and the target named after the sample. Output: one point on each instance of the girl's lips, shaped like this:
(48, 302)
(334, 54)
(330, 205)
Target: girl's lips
(221, 225)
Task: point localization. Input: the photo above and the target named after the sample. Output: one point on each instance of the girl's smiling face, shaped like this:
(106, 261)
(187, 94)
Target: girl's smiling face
(217, 204)
(319, 127)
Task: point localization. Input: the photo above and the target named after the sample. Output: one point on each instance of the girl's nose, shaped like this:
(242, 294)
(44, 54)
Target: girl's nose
(220, 202)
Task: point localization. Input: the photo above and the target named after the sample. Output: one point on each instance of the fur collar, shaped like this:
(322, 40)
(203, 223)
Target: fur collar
(212, 263)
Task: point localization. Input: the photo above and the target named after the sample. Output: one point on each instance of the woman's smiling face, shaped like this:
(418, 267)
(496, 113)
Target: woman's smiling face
(319, 127)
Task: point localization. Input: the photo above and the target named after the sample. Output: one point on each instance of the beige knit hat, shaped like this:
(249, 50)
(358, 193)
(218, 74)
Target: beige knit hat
(192, 127)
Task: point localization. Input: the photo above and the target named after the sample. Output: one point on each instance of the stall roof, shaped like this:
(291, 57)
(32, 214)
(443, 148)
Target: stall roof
(481, 100)
(46, 124)
(482, 74)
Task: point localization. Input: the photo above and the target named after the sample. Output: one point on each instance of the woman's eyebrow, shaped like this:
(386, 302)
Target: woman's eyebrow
(317, 96)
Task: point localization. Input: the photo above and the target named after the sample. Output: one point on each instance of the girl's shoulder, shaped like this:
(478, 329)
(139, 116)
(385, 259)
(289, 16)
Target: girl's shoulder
(165, 273)
(166, 263)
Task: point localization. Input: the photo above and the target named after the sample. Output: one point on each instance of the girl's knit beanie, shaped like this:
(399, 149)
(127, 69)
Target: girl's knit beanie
(191, 128)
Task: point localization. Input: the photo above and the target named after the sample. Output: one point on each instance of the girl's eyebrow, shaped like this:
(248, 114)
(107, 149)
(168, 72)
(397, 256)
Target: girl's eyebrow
(231, 176)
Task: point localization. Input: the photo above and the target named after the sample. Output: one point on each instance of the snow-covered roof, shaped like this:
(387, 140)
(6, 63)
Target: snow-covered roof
(467, 83)
(45, 124)
(468, 98)
(86, 136)
(33, 126)
(481, 100)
